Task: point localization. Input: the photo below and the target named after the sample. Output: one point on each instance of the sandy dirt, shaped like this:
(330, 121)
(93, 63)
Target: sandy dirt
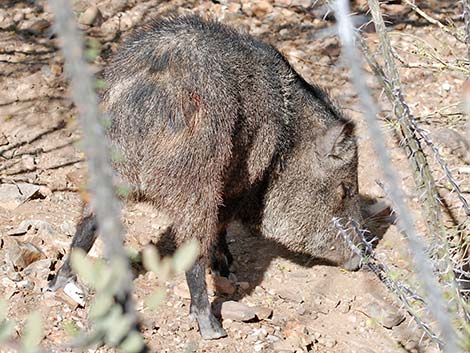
(315, 308)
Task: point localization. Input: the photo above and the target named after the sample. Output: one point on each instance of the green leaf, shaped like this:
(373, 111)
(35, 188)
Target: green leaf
(6, 330)
(151, 259)
(83, 266)
(133, 343)
(70, 328)
(33, 333)
(101, 305)
(155, 299)
(3, 310)
(133, 254)
(100, 84)
(118, 330)
(185, 256)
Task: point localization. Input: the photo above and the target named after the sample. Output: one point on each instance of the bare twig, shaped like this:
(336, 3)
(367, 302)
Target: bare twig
(466, 17)
(434, 21)
(436, 304)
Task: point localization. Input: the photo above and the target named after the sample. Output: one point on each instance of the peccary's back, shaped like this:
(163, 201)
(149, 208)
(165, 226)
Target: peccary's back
(194, 102)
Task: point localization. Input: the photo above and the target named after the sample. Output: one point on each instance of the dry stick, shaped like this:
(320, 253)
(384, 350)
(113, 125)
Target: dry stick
(434, 21)
(421, 170)
(104, 199)
(389, 91)
(381, 270)
(437, 306)
(466, 17)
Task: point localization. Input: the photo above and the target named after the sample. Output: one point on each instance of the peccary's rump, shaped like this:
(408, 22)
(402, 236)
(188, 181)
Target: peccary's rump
(212, 124)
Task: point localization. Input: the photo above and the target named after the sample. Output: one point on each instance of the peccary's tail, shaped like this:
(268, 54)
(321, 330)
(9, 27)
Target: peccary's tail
(84, 238)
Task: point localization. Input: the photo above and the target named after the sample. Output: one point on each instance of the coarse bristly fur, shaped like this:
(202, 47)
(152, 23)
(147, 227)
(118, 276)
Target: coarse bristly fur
(203, 116)
(210, 125)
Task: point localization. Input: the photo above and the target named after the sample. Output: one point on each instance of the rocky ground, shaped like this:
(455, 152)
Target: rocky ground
(285, 302)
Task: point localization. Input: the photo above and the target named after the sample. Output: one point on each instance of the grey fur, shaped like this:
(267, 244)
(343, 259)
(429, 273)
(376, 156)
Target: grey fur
(206, 117)
(211, 125)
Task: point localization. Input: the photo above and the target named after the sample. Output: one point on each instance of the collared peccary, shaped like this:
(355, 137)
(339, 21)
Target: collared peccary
(212, 124)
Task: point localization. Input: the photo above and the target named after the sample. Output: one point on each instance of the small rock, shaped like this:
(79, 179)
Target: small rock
(261, 8)
(39, 226)
(13, 195)
(284, 347)
(387, 315)
(237, 311)
(244, 285)
(303, 3)
(23, 254)
(326, 341)
(297, 333)
(289, 294)
(344, 306)
(68, 228)
(3, 139)
(182, 290)
(45, 191)
(25, 285)
(39, 27)
(272, 338)
(38, 269)
(91, 17)
(220, 285)
(28, 161)
(455, 142)
(263, 313)
(19, 16)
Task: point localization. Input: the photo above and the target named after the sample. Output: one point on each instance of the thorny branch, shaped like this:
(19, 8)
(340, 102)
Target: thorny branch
(436, 304)
(381, 270)
(104, 199)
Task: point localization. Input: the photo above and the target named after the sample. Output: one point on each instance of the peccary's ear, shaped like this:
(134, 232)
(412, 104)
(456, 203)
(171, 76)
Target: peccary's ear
(337, 141)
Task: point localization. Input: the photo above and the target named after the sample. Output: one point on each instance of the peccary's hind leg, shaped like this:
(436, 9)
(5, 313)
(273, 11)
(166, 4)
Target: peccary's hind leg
(209, 326)
(221, 258)
(84, 239)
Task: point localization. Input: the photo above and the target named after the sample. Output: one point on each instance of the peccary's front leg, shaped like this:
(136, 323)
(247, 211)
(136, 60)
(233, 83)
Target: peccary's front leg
(84, 239)
(209, 326)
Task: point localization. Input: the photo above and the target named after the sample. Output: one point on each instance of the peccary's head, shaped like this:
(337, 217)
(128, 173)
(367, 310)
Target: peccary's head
(318, 182)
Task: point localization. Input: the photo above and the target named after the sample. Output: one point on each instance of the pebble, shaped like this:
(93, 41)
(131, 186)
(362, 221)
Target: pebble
(22, 254)
(11, 196)
(326, 341)
(283, 346)
(220, 285)
(237, 311)
(68, 228)
(182, 290)
(39, 226)
(261, 8)
(91, 17)
(263, 313)
(39, 27)
(244, 285)
(386, 314)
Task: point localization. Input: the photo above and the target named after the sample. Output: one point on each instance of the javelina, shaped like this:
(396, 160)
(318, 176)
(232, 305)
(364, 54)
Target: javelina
(213, 124)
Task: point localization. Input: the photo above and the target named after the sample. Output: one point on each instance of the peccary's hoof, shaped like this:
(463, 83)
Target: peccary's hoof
(59, 281)
(209, 327)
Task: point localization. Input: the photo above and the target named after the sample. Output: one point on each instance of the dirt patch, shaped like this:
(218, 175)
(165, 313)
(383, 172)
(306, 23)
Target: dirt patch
(314, 307)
